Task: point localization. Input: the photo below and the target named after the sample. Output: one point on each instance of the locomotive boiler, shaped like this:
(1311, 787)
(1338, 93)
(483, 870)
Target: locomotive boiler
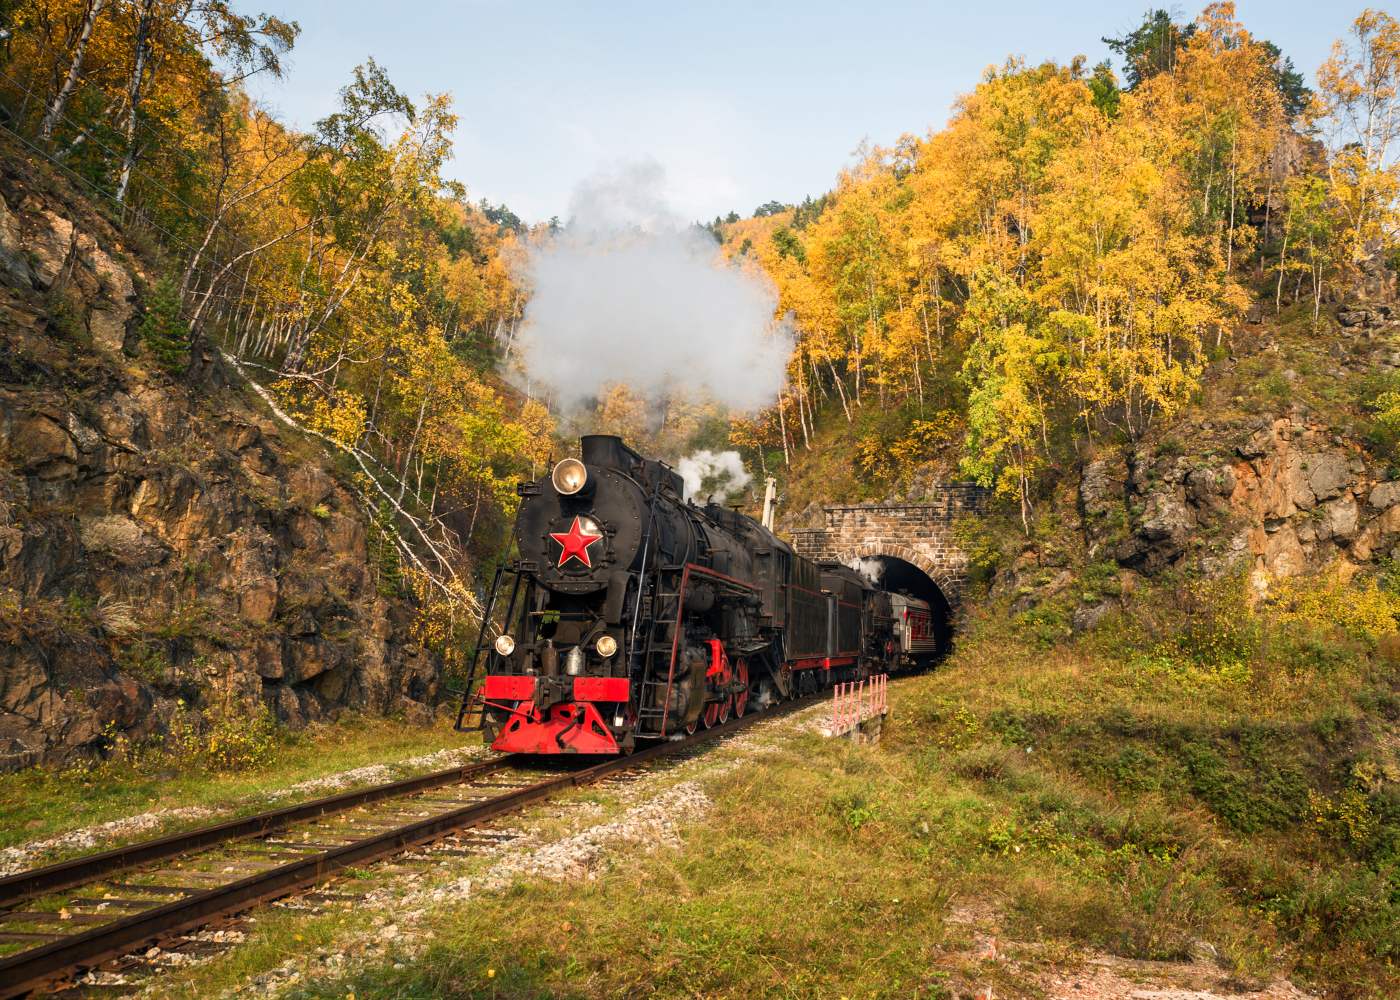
(632, 614)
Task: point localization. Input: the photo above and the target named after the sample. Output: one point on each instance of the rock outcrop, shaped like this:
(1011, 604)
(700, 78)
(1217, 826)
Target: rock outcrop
(1277, 494)
(1290, 496)
(158, 544)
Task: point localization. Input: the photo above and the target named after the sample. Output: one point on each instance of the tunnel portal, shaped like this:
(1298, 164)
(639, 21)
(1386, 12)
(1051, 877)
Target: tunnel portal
(913, 547)
(901, 577)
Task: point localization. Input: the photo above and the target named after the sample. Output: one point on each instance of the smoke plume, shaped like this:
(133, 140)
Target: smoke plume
(870, 567)
(627, 292)
(721, 474)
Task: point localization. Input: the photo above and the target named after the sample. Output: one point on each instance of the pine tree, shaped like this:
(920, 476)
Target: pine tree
(164, 333)
(383, 554)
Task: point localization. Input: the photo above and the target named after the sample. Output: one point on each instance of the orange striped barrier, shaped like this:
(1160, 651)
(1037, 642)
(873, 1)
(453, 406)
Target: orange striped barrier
(856, 701)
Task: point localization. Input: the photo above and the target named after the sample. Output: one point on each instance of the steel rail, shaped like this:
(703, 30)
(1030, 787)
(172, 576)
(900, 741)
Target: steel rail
(66, 874)
(29, 970)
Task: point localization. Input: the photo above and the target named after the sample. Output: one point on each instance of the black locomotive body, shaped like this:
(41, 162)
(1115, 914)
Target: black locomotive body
(632, 614)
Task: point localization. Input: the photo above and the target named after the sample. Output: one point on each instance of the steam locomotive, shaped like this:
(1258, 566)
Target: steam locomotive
(632, 614)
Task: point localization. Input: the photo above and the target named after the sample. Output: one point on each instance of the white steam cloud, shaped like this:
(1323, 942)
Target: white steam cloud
(724, 470)
(870, 567)
(627, 292)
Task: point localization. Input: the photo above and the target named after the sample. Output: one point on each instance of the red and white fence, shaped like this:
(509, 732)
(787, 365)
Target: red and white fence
(857, 701)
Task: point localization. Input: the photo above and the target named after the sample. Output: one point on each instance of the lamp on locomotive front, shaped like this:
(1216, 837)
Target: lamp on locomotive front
(569, 476)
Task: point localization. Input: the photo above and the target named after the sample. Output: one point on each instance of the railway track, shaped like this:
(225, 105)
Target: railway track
(76, 915)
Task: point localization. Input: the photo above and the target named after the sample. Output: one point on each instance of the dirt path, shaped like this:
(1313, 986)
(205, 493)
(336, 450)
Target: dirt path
(1104, 977)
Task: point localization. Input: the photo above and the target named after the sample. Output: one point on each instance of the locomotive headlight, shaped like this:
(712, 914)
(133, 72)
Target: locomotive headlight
(607, 646)
(569, 476)
(505, 645)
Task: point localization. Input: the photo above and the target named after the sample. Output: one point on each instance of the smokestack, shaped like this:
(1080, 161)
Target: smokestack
(770, 501)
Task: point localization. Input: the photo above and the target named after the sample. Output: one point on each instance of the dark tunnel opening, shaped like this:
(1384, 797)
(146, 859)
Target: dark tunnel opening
(901, 577)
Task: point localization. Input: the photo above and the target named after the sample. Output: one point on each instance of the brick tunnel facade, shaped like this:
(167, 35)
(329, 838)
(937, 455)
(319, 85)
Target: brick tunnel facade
(921, 534)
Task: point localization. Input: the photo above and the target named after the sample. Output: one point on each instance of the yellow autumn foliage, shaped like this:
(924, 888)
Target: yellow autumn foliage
(1062, 258)
(347, 276)
(340, 417)
(1361, 609)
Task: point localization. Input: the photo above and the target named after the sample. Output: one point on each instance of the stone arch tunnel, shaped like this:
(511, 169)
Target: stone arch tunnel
(909, 548)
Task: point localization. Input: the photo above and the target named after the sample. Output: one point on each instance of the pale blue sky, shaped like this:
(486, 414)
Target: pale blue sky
(739, 102)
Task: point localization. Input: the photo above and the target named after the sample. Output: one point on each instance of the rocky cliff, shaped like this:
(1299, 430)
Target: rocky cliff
(1271, 475)
(160, 546)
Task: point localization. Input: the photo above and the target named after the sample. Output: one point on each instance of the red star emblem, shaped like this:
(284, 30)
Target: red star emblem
(575, 543)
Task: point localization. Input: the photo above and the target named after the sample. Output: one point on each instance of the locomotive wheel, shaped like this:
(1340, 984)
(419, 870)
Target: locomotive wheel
(741, 700)
(712, 714)
(691, 728)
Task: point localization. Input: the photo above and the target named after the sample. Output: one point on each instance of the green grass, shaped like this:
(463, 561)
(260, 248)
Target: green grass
(41, 802)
